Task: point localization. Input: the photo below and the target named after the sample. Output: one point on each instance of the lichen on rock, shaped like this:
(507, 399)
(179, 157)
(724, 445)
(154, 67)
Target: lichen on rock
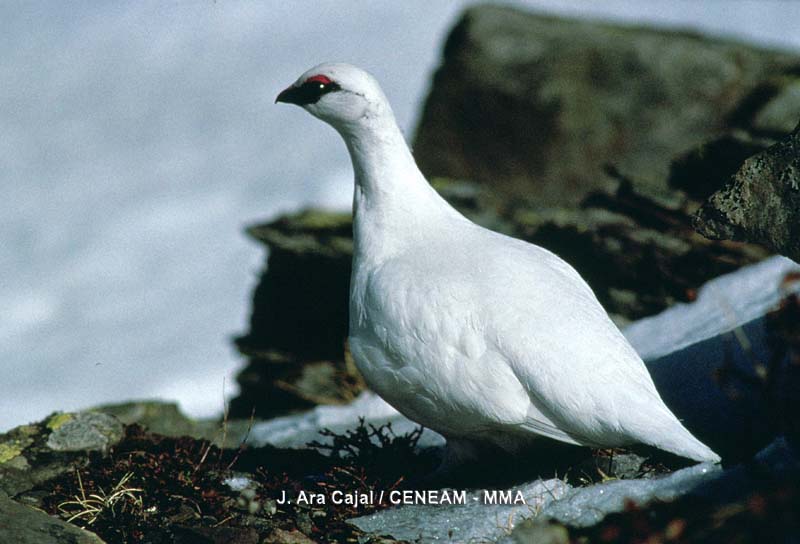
(761, 202)
(84, 431)
(57, 420)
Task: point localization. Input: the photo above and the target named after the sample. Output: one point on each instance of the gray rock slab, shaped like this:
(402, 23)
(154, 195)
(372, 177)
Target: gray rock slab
(86, 431)
(21, 524)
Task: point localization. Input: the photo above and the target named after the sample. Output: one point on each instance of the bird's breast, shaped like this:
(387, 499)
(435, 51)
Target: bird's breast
(421, 345)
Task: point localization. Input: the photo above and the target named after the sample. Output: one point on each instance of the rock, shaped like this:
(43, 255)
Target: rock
(309, 259)
(704, 169)
(532, 531)
(585, 506)
(616, 464)
(299, 316)
(32, 454)
(166, 418)
(634, 247)
(753, 502)
(779, 105)
(215, 535)
(16, 474)
(85, 431)
(279, 536)
(761, 203)
(536, 105)
(21, 524)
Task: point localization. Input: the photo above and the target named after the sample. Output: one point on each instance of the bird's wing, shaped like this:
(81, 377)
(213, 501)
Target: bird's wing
(579, 371)
(538, 423)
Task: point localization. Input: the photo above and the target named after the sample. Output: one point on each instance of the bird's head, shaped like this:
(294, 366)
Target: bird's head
(340, 94)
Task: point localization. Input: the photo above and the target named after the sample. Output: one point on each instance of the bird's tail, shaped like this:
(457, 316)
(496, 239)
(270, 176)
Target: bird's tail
(681, 442)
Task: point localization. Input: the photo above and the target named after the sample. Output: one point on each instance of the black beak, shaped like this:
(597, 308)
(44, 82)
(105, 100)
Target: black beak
(290, 95)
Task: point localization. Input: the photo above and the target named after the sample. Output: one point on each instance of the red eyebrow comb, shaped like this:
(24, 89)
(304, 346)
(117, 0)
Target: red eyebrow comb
(319, 79)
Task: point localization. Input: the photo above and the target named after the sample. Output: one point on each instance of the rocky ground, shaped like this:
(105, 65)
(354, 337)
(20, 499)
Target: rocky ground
(127, 484)
(607, 145)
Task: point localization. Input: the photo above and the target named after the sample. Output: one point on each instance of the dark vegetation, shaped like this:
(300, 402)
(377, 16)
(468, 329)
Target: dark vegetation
(157, 489)
(174, 490)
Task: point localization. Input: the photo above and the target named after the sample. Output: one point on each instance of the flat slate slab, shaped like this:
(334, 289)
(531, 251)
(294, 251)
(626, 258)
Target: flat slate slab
(21, 524)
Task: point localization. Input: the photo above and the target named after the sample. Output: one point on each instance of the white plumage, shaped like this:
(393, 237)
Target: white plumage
(474, 334)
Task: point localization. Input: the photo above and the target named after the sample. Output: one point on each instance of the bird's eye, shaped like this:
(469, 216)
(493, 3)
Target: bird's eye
(310, 91)
(320, 85)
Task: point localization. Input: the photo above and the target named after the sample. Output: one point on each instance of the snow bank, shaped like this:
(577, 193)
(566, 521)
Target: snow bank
(722, 304)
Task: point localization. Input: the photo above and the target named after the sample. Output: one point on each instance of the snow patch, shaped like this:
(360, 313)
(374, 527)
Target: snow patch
(722, 304)
(476, 520)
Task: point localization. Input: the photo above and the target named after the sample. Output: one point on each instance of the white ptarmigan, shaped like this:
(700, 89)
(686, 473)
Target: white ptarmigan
(476, 335)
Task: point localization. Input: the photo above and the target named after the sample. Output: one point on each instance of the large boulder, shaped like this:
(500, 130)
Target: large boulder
(298, 325)
(537, 105)
(761, 201)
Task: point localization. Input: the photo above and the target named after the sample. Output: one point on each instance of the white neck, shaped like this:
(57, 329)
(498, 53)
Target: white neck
(393, 203)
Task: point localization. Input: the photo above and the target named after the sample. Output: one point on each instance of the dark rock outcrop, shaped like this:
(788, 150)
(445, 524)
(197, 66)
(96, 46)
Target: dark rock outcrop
(761, 202)
(705, 168)
(308, 252)
(537, 105)
(298, 324)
